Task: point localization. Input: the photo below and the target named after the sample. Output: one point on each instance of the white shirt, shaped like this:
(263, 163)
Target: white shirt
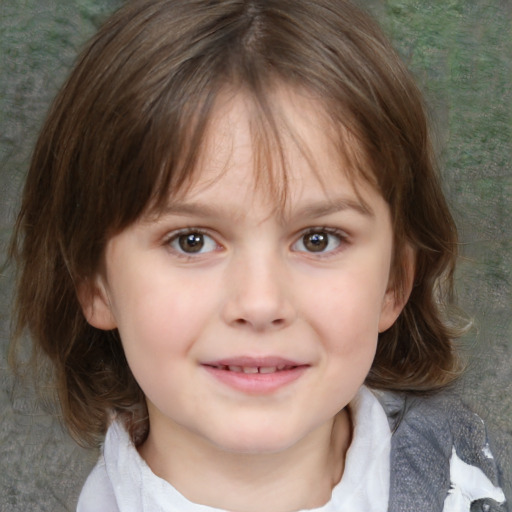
(122, 482)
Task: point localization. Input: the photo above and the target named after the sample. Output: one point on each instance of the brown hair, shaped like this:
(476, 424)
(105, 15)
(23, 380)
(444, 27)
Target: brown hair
(125, 130)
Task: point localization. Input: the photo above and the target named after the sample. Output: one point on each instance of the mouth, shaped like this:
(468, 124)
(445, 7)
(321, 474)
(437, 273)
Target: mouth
(256, 375)
(251, 370)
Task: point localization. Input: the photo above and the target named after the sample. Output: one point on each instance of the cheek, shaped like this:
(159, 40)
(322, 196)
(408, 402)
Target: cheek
(349, 307)
(160, 318)
(157, 333)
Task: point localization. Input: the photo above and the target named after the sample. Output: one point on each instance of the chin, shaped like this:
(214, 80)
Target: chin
(257, 441)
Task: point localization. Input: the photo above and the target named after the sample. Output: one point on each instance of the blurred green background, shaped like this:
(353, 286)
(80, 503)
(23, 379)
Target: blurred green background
(461, 54)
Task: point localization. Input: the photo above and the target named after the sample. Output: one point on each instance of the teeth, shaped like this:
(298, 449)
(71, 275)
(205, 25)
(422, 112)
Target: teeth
(250, 370)
(254, 369)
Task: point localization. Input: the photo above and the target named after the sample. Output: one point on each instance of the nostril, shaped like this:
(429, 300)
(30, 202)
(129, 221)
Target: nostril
(278, 322)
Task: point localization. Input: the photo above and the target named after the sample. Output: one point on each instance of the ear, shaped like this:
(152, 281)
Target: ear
(396, 299)
(96, 307)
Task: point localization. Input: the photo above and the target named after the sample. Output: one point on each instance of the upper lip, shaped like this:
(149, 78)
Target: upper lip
(255, 362)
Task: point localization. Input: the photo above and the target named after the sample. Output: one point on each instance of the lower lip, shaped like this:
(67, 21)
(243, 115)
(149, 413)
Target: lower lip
(256, 383)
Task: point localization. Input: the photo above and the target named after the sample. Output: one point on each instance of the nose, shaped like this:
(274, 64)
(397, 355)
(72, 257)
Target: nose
(258, 294)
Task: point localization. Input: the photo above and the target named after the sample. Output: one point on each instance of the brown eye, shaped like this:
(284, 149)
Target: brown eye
(192, 242)
(315, 242)
(321, 240)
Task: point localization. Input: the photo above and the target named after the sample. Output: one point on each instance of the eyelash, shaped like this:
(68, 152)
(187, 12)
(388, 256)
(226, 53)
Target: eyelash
(176, 235)
(342, 237)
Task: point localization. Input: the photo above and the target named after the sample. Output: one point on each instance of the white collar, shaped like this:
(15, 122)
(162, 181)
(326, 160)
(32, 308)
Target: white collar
(365, 481)
(364, 485)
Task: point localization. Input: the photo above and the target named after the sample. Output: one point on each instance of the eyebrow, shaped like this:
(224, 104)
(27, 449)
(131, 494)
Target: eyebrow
(190, 209)
(315, 209)
(323, 208)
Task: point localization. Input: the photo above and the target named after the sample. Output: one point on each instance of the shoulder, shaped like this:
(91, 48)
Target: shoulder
(441, 450)
(97, 493)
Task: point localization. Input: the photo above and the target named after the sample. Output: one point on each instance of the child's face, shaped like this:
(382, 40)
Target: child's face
(247, 326)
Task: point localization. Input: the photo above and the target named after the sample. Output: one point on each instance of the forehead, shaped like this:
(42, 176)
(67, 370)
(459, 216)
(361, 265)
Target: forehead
(288, 149)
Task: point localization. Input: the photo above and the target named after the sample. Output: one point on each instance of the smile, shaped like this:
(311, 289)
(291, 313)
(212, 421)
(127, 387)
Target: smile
(255, 376)
(255, 369)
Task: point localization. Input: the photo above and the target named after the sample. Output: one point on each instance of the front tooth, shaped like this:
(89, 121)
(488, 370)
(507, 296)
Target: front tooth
(248, 369)
(268, 369)
(281, 367)
(235, 369)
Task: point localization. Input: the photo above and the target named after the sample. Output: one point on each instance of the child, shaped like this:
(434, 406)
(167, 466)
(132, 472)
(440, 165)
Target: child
(235, 251)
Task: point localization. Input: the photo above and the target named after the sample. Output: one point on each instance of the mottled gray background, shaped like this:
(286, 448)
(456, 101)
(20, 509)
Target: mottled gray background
(461, 53)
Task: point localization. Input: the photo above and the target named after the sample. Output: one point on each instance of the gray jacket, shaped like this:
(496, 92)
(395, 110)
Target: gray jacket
(426, 431)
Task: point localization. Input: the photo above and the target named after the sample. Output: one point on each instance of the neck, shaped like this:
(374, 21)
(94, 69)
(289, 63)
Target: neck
(298, 478)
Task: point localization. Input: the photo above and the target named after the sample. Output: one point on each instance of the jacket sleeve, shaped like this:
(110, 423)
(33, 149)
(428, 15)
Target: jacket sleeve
(440, 457)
